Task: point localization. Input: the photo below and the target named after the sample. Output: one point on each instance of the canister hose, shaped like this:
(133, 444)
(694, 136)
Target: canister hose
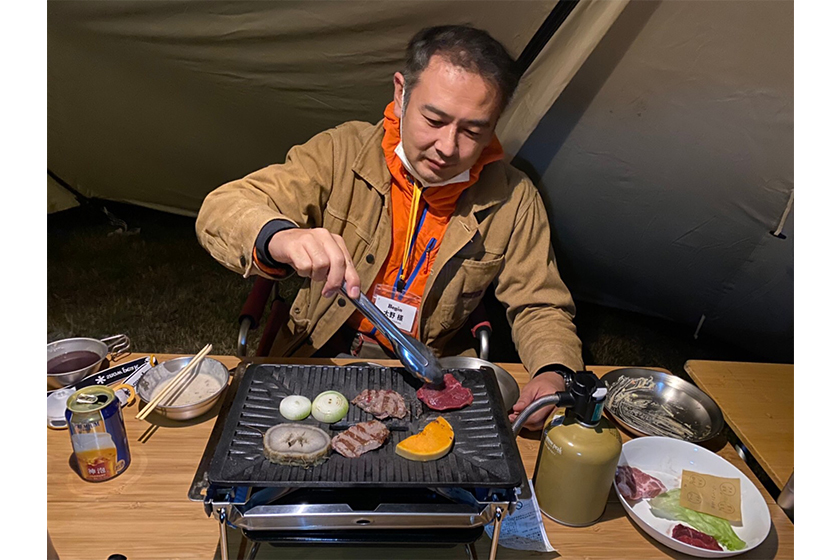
(557, 399)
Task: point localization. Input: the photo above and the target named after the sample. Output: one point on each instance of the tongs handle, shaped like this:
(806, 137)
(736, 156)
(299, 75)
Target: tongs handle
(392, 332)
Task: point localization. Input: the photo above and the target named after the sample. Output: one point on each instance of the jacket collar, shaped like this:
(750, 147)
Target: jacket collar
(370, 163)
(491, 188)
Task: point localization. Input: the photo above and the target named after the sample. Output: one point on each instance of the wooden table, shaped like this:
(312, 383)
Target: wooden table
(144, 513)
(757, 404)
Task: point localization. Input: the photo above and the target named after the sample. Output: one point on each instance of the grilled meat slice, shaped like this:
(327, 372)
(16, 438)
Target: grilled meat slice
(360, 438)
(382, 403)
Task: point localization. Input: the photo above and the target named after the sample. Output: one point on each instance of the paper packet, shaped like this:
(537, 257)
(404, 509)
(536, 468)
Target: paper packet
(523, 529)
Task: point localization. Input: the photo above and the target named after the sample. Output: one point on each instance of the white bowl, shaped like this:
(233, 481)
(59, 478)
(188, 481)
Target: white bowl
(665, 458)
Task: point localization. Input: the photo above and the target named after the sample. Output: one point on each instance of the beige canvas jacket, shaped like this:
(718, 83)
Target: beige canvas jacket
(338, 180)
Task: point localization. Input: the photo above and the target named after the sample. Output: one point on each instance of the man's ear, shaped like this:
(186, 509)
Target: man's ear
(399, 90)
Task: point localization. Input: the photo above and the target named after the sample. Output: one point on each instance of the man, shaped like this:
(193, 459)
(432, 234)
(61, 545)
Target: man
(418, 210)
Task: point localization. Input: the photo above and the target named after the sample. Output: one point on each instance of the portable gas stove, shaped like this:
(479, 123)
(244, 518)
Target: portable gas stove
(378, 498)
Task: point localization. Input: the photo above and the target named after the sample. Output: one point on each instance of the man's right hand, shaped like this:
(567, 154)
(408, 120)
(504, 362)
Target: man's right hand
(318, 254)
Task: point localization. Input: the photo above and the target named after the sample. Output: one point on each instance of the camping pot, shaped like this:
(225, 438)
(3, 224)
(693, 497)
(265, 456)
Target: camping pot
(83, 355)
(161, 374)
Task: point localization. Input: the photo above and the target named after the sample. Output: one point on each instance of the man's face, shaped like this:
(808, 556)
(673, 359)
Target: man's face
(449, 120)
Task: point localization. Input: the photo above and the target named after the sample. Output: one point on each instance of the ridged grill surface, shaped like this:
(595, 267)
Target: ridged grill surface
(484, 454)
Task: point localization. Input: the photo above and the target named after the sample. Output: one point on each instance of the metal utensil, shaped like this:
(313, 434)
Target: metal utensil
(116, 346)
(177, 385)
(165, 371)
(648, 402)
(415, 356)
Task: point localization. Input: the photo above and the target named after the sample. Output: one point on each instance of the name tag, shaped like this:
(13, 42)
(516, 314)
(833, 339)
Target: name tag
(401, 314)
(401, 309)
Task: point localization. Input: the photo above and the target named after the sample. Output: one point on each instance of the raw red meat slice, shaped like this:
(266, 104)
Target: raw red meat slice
(634, 484)
(453, 395)
(694, 537)
(382, 403)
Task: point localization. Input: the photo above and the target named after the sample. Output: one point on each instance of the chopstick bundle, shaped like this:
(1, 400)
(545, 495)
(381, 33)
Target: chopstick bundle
(175, 382)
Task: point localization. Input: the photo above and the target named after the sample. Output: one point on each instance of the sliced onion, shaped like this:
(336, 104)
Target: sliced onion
(295, 407)
(330, 407)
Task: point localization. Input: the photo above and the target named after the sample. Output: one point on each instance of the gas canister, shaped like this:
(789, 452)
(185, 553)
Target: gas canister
(578, 456)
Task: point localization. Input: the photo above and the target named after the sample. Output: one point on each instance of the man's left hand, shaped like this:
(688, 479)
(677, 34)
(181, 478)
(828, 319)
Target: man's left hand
(544, 384)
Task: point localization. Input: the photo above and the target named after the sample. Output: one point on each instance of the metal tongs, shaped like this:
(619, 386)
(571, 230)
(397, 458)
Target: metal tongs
(415, 356)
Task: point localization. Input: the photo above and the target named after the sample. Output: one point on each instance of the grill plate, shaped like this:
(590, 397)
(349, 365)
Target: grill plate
(484, 453)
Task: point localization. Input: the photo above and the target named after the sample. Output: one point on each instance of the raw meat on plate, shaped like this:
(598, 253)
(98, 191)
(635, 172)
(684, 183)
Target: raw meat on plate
(635, 484)
(693, 537)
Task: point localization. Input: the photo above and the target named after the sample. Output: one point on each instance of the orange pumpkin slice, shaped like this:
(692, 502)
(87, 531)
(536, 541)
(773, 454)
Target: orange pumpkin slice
(432, 443)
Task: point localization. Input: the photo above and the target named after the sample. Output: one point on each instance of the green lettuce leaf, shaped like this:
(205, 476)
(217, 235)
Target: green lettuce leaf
(667, 505)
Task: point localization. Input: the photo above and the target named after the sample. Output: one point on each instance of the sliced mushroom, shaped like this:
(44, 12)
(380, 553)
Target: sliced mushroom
(296, 444)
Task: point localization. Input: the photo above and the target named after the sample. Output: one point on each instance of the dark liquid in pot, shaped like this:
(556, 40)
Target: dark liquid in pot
(71, 361)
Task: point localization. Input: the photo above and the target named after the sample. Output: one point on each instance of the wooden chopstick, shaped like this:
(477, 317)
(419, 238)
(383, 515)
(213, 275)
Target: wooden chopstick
(184, 383)
(174, 382)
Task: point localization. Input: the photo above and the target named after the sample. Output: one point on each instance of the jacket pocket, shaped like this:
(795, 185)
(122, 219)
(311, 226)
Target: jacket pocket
(354, 217)
(464, 291)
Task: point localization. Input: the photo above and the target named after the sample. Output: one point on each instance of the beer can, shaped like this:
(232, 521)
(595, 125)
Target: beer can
(97, 432)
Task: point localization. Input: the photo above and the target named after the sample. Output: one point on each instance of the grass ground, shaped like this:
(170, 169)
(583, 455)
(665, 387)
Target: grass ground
(157, 285)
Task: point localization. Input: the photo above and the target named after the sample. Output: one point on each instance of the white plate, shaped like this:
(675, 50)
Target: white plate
(665, 458)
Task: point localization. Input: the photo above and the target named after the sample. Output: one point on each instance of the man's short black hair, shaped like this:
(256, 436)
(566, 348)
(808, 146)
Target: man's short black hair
(466, 47)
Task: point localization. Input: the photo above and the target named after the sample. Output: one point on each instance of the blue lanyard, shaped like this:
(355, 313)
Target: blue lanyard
(398, 291)
(426, 253)
(403, 289)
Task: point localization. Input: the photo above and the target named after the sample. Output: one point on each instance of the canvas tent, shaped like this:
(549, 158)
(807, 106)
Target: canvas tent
(660, 133)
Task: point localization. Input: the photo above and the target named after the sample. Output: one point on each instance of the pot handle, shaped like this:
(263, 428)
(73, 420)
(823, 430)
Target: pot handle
(118, 345)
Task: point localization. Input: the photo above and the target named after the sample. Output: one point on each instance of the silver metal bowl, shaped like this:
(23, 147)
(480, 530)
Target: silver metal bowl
(117, 345)
(162, 373)
(648, 402)
(507, 384)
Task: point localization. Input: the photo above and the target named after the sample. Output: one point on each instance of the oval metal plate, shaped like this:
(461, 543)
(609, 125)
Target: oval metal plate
(648, 402)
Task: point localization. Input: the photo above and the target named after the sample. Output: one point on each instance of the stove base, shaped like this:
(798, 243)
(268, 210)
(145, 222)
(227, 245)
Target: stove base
(436, 538)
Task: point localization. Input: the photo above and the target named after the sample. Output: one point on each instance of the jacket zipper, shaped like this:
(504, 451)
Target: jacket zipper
(428, 259)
